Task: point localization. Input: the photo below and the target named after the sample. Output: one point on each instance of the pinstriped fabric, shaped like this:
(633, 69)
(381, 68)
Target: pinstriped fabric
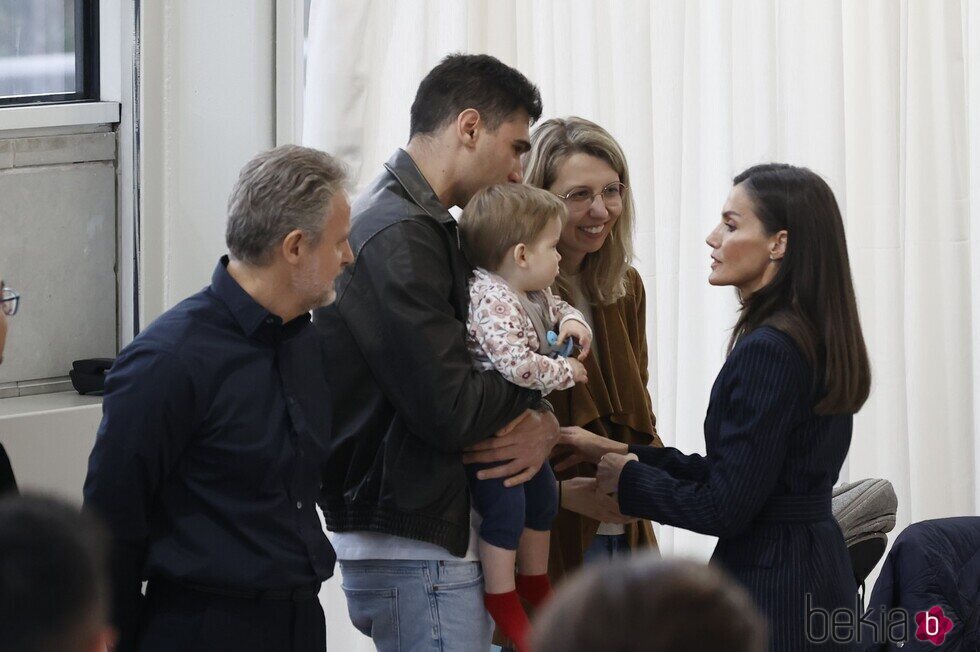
(762, 441)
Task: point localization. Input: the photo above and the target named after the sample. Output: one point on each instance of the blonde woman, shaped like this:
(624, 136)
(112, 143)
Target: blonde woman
(582, 164)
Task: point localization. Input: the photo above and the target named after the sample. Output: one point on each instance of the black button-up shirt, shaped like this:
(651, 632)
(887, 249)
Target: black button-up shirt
(208, 461)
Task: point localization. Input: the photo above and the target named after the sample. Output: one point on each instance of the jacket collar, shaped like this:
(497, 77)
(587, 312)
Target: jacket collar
(406, 172)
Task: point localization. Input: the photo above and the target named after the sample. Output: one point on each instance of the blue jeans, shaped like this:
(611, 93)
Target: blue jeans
(605, 547)
(406, 606)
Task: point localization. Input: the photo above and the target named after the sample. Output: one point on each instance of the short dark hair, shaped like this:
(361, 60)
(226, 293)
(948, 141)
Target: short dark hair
(52, 573)
(646, 604)
(472, 81)
(811, 298)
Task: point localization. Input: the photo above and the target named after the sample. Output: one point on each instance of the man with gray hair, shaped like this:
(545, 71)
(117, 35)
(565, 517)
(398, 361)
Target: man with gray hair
(208, 461)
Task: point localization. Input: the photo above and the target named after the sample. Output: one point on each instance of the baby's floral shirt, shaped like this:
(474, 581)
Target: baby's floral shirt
(501, 335)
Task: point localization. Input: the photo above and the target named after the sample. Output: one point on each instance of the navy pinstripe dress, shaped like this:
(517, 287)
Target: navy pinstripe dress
(763, 487)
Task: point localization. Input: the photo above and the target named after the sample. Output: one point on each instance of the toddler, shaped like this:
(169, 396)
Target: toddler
(511, 233)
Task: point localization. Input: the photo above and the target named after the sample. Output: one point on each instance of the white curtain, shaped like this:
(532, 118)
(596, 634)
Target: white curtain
(881, 97)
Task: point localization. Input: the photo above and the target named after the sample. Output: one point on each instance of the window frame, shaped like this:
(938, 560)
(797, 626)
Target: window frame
(86, 63)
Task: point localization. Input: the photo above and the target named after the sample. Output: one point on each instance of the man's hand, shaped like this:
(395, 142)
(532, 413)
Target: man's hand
(524, 444)
(581, 495)
(578, 330)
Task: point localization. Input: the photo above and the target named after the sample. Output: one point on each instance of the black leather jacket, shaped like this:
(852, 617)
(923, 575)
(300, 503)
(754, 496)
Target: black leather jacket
(406, 396)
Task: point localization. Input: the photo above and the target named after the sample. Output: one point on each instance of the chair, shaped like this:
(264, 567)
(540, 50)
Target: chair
(932, 566)
(866, 512)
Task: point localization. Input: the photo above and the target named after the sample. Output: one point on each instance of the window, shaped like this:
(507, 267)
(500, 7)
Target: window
(48, 51)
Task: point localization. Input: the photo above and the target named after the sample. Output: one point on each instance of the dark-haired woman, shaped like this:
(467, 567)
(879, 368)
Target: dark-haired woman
(779, 420)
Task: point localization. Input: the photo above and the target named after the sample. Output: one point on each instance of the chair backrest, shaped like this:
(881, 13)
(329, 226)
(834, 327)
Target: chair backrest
(865, 553)
(865, 511)
(865, 507)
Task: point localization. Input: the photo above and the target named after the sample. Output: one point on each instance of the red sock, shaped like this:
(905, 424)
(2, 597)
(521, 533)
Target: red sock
(509, 615)
(536, 589)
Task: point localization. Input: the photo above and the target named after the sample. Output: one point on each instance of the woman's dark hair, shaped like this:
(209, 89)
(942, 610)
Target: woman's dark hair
(472, 81)
(646, 604)
(811, 297)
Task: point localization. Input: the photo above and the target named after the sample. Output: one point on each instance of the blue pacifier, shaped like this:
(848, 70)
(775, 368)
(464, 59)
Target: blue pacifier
(566, 350)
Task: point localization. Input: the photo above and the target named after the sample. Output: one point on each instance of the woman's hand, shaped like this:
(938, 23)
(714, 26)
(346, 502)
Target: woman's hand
(579, 495)
(583, 446)
(610, 468)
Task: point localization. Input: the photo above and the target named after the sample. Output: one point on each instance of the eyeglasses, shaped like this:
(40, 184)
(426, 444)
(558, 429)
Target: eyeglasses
(9, 300)
(581, 198)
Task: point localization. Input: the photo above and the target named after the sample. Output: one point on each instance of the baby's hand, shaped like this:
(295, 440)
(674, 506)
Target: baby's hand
(579, 375)
(578, 330)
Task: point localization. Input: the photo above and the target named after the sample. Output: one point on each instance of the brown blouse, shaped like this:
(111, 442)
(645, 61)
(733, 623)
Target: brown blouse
(614, 403)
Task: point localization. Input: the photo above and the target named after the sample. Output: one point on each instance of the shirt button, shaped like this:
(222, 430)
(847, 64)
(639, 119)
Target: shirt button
(299, 504)
(269, 320)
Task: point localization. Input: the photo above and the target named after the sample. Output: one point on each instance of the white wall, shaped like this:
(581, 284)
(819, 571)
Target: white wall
(48, 438)
(207, 106)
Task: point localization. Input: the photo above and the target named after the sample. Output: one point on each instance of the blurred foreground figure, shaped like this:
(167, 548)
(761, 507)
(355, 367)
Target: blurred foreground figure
(52, 578)
(644, 603)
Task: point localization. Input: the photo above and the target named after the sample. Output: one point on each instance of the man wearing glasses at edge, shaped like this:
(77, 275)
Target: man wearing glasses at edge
(9, 301)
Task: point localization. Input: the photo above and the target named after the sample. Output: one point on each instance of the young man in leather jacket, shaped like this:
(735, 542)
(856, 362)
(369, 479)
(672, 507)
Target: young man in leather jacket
(407, 399)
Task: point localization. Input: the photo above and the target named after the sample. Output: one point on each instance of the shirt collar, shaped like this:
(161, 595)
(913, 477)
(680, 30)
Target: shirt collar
(403, 168)
(249, 314)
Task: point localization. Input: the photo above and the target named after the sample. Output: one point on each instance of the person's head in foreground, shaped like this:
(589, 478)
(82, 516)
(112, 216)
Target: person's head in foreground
(52, 578)
(288, 222)
(646, 604)
(780, 242)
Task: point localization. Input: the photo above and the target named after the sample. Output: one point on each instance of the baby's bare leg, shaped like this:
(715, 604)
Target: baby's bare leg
(532, 552)
(498, 567)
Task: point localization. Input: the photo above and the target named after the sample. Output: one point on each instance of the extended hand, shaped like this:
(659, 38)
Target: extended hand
(581, 495)
(584, 446)
(610, 468)
(524, 444)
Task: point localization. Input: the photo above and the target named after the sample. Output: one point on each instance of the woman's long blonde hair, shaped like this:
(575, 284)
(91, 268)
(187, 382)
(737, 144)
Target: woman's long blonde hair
(553, 141)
